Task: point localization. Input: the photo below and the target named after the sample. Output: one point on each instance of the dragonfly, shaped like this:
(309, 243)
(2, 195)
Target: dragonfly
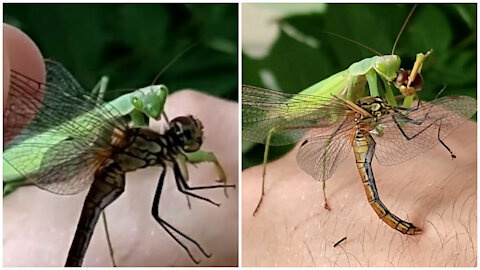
(328, 128)
(86, 143)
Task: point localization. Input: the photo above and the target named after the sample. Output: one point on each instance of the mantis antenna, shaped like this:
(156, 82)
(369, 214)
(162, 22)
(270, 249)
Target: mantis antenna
(166, 67)
(403, 28)
(172, 61)
(353, 41)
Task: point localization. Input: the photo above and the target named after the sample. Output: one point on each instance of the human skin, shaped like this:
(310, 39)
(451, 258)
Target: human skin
(39, 226)
(20, 54)
(434, 192)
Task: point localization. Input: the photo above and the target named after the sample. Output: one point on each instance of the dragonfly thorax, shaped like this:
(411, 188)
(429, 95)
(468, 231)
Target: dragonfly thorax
(375, 106)
(372, 110)
(143, 147)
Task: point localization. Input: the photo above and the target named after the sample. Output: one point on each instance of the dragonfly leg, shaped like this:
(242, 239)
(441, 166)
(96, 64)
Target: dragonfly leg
(421, 131)
(181, 161)
(444, 145)
(169, 228)
(183, 186)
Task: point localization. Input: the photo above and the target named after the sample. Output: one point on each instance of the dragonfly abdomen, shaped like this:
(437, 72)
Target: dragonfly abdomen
(364, 148)
(108, 185)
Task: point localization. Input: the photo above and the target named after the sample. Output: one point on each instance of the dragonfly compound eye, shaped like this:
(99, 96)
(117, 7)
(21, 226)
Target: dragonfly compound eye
(187, 132)
(402, 80)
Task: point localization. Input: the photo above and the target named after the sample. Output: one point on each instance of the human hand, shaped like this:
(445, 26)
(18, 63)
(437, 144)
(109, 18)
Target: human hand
(432, 191)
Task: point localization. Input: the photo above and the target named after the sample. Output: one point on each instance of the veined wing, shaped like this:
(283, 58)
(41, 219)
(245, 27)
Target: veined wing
(68, 138)
(320, 154)
(290, 115)
(423, 125)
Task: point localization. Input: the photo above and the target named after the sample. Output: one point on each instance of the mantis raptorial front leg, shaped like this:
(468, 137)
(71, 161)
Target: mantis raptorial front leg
(181, 173)
(100, 88)
(204, 156)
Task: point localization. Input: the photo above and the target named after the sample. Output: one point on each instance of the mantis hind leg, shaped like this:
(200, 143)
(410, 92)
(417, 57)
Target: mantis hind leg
(264, 170)
(107, 235)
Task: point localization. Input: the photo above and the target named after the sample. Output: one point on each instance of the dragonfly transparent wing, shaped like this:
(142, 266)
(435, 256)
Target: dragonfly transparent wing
(290, 114)
(424, 125)
(320, 154)
(69, 137)
(51, 166)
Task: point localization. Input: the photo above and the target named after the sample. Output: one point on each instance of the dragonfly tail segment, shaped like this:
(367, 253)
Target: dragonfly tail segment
(106, 188)
(364, 148)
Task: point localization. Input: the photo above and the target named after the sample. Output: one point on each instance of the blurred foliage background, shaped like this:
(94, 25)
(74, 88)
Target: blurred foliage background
(304, 54)
(132, 43)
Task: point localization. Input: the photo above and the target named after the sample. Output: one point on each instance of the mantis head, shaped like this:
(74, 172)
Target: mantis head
(387, 66)
(152, 100)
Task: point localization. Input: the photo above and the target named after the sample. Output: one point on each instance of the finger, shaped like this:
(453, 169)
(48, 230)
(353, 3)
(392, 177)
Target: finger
(22, 55)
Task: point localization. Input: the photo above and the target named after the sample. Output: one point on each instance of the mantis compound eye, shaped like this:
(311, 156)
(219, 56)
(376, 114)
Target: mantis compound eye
(137, 103)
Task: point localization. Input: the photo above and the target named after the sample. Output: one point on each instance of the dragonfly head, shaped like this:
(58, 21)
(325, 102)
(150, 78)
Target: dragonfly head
(401, 82)
(187, 132)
